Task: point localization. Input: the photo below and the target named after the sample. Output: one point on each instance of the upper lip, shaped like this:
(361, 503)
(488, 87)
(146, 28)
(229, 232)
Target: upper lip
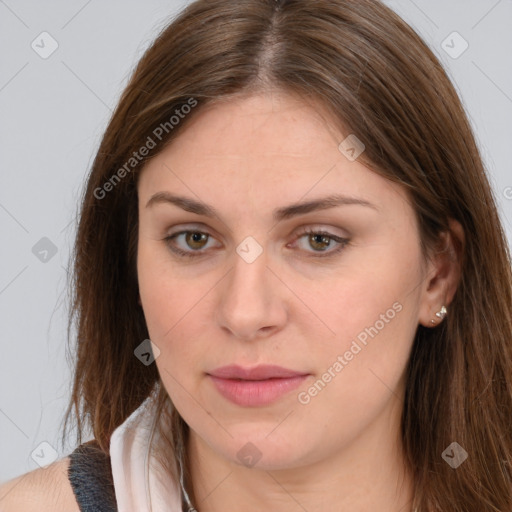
(260, 372)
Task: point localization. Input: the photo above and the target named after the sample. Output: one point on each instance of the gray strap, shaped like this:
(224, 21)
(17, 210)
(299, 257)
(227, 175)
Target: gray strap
(90, 475)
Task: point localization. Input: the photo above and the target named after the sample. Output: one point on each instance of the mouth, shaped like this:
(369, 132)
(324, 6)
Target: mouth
(255, 387)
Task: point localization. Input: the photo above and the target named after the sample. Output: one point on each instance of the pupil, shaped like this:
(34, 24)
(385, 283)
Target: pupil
(195, 237)
(323, 239)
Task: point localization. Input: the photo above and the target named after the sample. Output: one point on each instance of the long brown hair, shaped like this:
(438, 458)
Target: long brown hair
(376, 77)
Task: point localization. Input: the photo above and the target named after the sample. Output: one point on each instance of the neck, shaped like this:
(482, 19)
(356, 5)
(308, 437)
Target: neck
(369, 474)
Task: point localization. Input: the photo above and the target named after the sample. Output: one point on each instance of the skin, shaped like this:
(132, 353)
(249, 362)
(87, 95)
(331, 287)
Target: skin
(290, 307)
(45, 489)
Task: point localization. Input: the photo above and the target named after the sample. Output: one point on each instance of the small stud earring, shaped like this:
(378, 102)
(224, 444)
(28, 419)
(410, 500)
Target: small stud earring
(440, 314)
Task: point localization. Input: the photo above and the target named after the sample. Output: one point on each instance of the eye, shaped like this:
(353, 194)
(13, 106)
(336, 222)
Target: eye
(193, 239)
(319, 240)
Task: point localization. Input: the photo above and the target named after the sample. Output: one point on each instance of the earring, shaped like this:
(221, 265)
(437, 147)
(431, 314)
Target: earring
(440, 314)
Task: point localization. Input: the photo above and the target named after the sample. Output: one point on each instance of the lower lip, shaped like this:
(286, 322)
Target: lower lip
(253, 393)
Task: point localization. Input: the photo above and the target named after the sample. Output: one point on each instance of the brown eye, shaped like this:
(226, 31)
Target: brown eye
(194, 243)
(321, 241)
(195, 239)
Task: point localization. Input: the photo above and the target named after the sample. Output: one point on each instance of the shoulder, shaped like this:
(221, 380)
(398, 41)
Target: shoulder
(41, 490)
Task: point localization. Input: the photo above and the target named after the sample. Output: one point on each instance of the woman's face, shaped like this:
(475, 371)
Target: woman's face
(336, 311)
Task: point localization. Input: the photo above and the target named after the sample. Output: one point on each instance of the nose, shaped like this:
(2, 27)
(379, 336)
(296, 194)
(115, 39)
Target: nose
(251, 299)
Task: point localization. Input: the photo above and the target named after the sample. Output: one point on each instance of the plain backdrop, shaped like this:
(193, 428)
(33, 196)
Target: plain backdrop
(53, 111)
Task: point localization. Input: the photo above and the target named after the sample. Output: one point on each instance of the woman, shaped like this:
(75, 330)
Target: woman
(290, 204)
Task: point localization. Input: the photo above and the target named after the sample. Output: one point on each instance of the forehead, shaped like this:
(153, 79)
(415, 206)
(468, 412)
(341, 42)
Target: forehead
(272, 148)
(267, 123)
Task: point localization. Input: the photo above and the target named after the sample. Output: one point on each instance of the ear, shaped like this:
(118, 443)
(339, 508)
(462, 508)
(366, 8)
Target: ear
(442, 274)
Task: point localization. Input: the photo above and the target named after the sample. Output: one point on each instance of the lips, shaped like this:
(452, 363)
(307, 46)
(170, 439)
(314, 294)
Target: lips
(261, 372)
(258, 386)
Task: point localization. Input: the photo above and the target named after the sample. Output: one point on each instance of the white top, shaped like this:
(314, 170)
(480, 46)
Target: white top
(129, 455)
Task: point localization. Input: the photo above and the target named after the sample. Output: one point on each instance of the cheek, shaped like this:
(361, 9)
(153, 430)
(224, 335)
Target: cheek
(369, 293)
(373, 312)
(174, 310)
(158, 293)
(163, 294)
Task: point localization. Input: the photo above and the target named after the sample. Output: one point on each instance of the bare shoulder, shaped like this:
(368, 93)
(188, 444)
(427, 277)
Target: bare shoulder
(44, 489)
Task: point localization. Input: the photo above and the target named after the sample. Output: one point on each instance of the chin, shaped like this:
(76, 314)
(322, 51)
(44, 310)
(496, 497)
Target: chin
(256, 448)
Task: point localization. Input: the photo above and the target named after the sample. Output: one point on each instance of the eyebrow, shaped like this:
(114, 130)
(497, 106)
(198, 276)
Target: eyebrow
(279, 214)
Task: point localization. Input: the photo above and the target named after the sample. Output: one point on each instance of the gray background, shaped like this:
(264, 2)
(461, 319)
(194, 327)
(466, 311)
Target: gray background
(53, 112)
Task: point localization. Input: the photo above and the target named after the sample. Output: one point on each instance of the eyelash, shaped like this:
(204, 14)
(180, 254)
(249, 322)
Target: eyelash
(342, 243)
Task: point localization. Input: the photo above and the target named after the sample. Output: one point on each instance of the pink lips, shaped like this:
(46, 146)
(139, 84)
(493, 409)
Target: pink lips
(258, 386)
